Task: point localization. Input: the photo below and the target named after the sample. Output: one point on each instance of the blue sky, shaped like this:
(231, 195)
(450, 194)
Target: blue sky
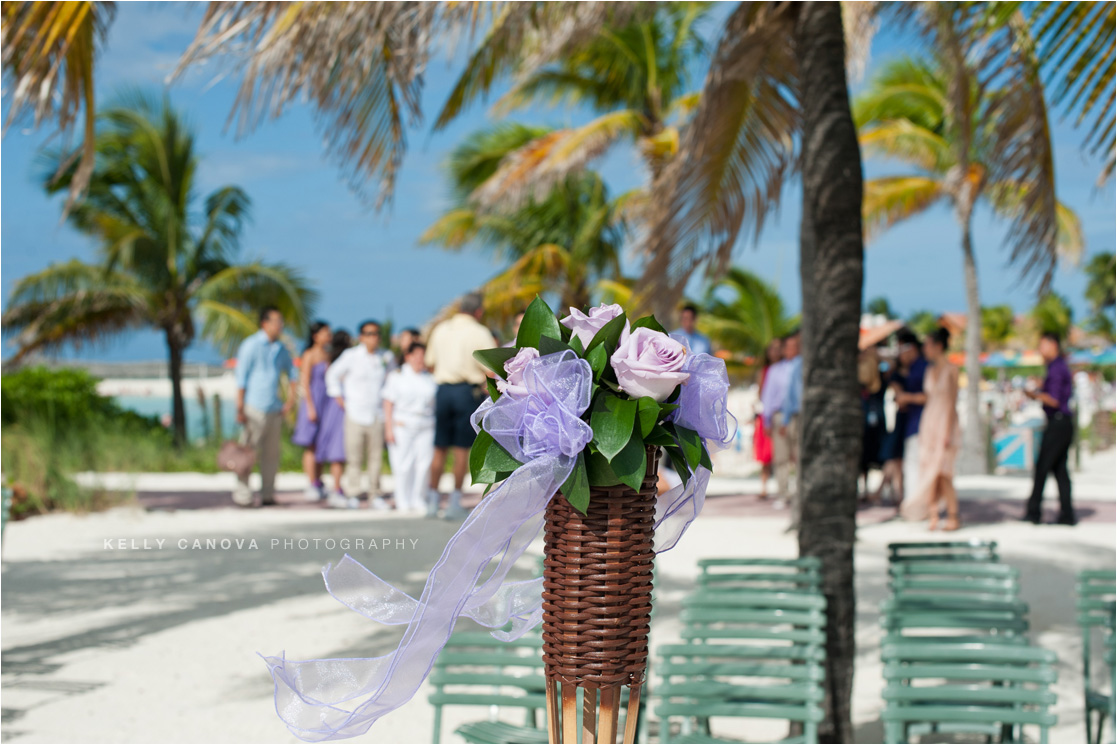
(368, 264)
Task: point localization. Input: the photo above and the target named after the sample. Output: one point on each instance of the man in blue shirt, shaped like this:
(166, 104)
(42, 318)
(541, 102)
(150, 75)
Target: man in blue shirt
(261, 361)
(785, 426)
(688, 330)
(1055, 395)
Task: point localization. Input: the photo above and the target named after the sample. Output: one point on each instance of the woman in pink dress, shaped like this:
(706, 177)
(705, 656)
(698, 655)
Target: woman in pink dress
(939, 437)
(761, 439)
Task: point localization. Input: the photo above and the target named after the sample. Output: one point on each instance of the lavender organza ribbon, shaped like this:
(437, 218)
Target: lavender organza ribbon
(329, 699)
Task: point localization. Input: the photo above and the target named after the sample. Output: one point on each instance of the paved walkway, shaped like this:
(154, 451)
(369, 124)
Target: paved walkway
(142, 623)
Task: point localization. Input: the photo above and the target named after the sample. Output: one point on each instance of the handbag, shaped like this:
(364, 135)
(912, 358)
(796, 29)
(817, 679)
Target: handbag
(235, 457)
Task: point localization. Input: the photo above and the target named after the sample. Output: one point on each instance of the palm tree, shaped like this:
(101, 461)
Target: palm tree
(997, 324)
(162, 264)
(749, 319)
(49, 49)
(963, 155)
(635, 75)
(1053, 314)
(1100, 273)
(563, 242)
(880, 306)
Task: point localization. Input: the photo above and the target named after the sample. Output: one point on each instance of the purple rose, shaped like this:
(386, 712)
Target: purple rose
(649, 363)
(585, 327)
(513, 382)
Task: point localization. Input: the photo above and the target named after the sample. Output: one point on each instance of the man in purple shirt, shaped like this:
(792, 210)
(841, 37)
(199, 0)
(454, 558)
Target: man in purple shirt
(1055, 396)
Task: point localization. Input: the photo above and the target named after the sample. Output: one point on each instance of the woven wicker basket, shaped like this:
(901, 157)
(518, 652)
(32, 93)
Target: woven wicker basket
(597, 585)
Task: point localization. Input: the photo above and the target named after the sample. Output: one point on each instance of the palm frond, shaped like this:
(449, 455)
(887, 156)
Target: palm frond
(749, 318)
(860, 21)
(890, 200)
(1077, 45)
(73, 303)
(248, 287)
(453, 230)
(225, 325)
(1009, 198)
(480, 154)
(733, 155)
(539, 270)
(49, 50)
(527, 36)
(226, 211)
(359, 64)
(535, 169)
(907, 142)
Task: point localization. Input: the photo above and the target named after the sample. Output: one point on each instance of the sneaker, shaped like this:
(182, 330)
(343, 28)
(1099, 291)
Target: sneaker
(454, 510)
(353, 503)
(379, 504)
(780, 504)
(1067, 520)
(433, 497)
(312, 493)
(337, 500)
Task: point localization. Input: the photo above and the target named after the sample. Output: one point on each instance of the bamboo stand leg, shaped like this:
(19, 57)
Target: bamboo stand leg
(632, 717)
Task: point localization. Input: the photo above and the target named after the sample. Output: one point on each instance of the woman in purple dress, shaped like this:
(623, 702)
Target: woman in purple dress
(331, 429)
(312, 391)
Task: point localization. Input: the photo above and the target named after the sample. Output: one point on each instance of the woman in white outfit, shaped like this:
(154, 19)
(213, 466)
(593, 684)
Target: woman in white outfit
(409, 428)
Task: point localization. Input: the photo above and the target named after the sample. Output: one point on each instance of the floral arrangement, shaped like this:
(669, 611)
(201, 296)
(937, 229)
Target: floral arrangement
(574, 404)
(638, 397)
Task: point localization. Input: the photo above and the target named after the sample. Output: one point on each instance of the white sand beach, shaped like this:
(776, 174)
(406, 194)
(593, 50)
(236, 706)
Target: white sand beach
(129, 626)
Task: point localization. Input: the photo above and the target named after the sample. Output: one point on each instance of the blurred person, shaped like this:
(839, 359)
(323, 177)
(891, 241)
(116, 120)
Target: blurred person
(892, 444)
(939, 437)
(872, 411)
(312, 402)
(688, 331)
(330, 445)
(1055, 396)
(516, 321)
(262, 360)
(356, 381)
(409, 395)
(406, 337)
(461, 388)
(761, 433)
(910, 383)
(785, 448)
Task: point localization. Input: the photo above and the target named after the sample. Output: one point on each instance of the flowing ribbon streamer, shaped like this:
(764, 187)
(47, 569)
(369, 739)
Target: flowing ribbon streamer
(330, 699)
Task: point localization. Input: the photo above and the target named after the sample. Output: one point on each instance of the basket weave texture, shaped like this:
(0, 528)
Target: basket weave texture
(597, 585)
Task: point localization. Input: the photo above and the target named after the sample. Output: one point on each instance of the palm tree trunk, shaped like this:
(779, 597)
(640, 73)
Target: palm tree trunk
(831, 263)
(972, 458)
(175, 353)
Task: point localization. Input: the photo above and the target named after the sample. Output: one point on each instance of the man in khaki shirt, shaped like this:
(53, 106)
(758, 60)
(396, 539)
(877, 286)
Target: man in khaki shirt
(461, 388)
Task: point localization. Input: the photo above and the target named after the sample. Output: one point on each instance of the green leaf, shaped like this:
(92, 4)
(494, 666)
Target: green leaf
(609, 335)
(649, 321)
(691, 445)
(477, 454)
(666, 408)
(490, 477)
(577, 486)
(706, 462)
(598, 360)
(600, 472)
(631, 463)
(576, 344)
(538, 321)
(548, 345)
(648, 412)
(679, 462)
(494, 359)
(612, 419)
(498, 460)
(660, 437)
(490, 383)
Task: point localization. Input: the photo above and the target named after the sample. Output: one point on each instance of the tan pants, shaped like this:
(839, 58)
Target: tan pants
(785, 453)
(363, 442)
(261, 431)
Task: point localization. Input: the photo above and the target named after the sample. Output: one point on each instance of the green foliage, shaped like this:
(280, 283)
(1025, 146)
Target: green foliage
(166, 259)
(742, 313)
(66, 397)
(997, 324)
(923, 322)
(623, 427)
(880, 306)
(1052, 314)
(1101, 273)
